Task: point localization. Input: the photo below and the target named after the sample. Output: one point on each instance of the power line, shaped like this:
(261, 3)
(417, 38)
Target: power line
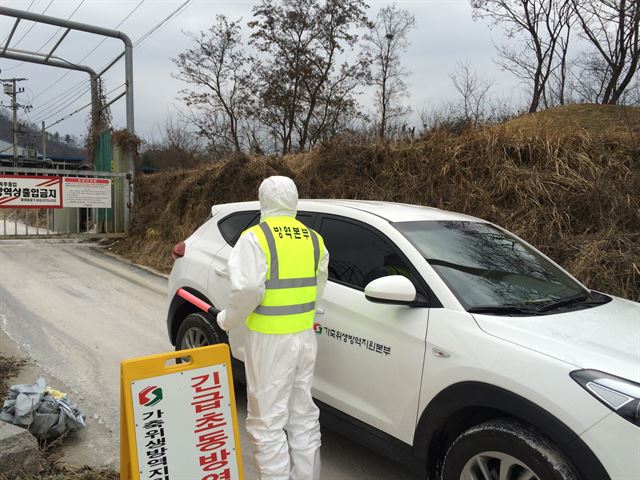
(61, 28)
(91, 51)
(47, 117)
(115, 28)
(163, 22)
(60, 98)
(79, 109)
(137, 43)
(68, 100)
(28, 8)
(32, 26)
(51, 37)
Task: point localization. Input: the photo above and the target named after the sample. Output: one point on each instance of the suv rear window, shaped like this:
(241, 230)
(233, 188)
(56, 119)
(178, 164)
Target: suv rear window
(232, 226)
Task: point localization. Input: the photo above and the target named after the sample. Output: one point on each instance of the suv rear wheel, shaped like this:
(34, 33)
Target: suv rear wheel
(505, 450)
(198, 330)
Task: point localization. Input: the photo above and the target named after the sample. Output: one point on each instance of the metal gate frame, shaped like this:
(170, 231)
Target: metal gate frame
(47, 58)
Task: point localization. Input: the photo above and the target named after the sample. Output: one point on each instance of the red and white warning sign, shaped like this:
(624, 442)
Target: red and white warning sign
(30, 191)
(87, 192)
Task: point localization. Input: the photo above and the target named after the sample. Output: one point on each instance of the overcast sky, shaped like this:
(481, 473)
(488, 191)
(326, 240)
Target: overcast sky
(445, 34)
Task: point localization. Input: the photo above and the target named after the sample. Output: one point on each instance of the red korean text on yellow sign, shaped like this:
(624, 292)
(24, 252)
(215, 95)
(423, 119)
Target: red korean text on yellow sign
(179, 421)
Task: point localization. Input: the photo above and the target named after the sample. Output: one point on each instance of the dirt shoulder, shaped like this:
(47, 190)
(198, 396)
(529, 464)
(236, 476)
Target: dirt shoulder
(69, 459)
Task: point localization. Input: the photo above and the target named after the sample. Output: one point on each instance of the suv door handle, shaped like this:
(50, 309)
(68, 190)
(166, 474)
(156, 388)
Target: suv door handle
(320, 311)
(223, 272)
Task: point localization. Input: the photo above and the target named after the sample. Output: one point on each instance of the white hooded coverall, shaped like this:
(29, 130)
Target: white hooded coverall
(279, 368)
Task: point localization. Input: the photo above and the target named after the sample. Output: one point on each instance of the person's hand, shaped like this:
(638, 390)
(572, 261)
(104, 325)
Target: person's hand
(220, 319)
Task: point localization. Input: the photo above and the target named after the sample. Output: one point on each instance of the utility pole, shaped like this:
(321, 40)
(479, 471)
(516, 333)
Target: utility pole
(11, 89)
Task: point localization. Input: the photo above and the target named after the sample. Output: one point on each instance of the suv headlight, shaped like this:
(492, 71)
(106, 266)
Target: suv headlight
(620, 395)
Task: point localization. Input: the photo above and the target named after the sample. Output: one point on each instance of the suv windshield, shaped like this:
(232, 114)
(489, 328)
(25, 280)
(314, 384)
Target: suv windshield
(490, 270)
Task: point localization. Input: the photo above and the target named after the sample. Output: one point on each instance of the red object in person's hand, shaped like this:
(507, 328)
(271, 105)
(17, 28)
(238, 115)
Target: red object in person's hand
(202, 305)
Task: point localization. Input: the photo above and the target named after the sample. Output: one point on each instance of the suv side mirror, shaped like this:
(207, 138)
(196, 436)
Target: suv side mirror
(394, 289)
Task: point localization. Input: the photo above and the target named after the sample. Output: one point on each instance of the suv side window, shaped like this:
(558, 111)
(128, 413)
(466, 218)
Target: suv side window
(358, 255)
(306, 218)
(233, 225)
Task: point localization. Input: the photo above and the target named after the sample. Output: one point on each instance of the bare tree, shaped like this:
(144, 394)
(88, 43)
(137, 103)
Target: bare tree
(558, 83)
(541, 23)
(302, 87)
(178, 147)
(473, 88)
(633, 94)
(218, 69)
(387, 40)
(612, 27)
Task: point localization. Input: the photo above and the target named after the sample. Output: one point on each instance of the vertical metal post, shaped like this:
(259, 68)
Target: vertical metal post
(14, 107)
(15, 221)
(127, 188)
(128, 73)
(116, 213)
(26, 221)
(44, 143)
(37, 221)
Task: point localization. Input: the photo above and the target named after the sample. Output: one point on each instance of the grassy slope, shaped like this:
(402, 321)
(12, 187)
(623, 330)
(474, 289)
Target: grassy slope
(594, 119)
(567, 180)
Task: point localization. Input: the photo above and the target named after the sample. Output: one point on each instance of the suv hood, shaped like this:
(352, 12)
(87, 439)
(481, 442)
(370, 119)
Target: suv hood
(605, 337)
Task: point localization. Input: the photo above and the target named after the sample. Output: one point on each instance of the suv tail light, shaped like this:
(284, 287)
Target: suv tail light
(178, 250)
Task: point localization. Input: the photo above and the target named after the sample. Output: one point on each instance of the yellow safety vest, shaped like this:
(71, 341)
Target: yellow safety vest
(293, 252)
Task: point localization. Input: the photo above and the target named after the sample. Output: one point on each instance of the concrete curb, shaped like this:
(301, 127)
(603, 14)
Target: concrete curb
(104, 249)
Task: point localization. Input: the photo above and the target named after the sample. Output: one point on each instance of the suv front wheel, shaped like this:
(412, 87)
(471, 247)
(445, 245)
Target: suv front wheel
(198, 330)
(505, 450)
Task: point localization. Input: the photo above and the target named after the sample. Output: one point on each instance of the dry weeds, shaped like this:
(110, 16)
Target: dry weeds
(54, 472)
(9, 368)
(570, 189)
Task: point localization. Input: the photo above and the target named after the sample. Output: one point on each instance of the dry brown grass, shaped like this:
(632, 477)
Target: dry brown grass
(572, 190)
(9, 368)
(53, 472)
(596, 119)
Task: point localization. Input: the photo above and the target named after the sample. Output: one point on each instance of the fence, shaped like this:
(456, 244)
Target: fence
(81, 203)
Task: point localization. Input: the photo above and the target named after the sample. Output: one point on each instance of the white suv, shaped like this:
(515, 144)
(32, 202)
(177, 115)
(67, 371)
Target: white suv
(447, 343)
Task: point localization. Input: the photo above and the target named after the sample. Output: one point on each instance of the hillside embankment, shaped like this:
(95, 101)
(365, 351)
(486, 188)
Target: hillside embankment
(567, 180)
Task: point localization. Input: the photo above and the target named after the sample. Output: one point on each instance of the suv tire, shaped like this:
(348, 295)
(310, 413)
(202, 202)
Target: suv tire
(482, 451)
(198, 330)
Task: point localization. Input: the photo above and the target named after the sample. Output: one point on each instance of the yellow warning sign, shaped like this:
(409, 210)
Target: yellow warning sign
(179, 421)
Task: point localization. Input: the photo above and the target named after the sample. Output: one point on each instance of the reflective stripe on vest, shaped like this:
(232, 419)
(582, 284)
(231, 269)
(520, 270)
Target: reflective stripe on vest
(288, 305)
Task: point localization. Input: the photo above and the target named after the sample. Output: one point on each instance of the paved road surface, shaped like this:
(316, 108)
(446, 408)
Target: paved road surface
(78, 312)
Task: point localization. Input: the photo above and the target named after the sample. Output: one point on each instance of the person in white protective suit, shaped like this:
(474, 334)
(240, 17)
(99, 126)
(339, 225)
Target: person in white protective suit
(278, 271)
